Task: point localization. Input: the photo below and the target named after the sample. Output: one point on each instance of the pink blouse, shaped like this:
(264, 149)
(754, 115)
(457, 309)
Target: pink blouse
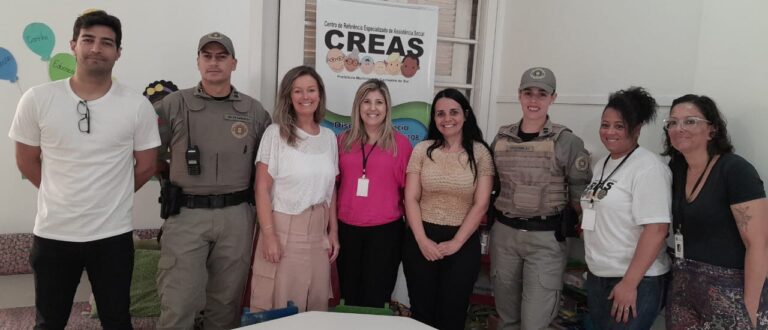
(386, 181)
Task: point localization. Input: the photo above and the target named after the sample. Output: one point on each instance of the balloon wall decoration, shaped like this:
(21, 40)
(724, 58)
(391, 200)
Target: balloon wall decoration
(61, 66)
(8, 67)
(40, 39)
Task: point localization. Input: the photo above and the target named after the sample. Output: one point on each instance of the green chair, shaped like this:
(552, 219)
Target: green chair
(343, 308)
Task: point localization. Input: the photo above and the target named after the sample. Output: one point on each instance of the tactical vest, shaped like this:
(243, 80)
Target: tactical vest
(226, 134)
(532, 183)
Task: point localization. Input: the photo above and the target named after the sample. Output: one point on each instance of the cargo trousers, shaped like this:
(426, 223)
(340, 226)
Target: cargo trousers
(205, 255)
(527, 274)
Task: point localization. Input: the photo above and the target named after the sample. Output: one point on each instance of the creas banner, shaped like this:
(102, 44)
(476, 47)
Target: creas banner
(360, 40)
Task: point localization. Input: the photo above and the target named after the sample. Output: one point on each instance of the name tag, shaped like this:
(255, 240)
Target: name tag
(362, 187)
(588, 218)
(234, 117)
(521, 148)
(679, 245)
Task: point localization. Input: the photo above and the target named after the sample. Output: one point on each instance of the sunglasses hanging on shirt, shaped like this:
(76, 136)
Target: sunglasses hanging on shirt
(84, 124)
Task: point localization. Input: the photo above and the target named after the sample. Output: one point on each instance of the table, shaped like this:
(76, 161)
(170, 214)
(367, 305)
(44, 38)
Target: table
(340, 321)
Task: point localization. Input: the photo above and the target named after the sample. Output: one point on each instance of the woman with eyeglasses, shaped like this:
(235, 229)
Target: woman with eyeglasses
(720, 224)
(625, 219)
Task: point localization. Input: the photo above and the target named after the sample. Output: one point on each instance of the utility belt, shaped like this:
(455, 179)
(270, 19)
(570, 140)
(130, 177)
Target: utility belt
(172, 199)
(215, 201)
(552, 222)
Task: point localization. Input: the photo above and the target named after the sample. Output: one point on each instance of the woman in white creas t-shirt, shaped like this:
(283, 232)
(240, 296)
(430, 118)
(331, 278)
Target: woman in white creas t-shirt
(626, 216)
(296, 168)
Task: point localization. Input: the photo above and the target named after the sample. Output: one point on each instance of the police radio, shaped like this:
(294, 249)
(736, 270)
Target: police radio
(193, 160)
(192, 154)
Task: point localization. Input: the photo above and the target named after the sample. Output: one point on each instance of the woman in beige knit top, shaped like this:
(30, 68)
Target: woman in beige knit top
(447, 190)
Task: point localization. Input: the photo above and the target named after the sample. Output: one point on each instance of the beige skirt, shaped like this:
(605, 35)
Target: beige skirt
(303, 274)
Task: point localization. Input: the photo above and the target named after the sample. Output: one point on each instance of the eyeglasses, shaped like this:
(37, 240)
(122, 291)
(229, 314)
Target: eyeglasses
(686, 123)
(84, 124)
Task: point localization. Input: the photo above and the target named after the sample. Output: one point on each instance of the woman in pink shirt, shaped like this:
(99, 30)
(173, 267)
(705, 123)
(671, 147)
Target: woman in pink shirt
(373, 157)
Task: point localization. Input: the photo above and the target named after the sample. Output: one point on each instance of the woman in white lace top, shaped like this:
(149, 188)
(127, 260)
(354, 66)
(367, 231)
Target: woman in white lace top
(296, 167)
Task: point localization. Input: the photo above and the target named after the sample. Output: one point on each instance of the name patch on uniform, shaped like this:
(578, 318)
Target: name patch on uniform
(239, 130)
(521, 148)
(233, 117)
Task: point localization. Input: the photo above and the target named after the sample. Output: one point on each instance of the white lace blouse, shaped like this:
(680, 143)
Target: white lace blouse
(303, 175)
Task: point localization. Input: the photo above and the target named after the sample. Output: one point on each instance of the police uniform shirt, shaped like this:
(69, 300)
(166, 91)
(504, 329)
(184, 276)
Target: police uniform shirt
(227, 133)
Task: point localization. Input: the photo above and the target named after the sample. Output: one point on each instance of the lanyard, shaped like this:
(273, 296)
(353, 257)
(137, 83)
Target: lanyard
(698, 181)
(365, 157)
(684, 200)
(602, 172)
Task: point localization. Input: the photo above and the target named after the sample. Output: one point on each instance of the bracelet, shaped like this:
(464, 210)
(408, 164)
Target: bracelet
(265, 227)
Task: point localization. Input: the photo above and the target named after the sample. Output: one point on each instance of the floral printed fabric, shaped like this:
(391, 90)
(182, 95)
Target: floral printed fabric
(14, 254)
(14, 250)
(704, 296)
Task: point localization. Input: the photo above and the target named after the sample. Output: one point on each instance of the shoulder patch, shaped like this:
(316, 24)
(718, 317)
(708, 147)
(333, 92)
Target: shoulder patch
(582, 162)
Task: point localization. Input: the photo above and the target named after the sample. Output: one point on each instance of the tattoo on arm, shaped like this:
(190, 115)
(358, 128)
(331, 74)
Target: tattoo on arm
(742, 217)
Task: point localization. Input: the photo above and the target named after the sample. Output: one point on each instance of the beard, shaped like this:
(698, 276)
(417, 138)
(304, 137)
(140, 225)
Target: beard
(96, 68)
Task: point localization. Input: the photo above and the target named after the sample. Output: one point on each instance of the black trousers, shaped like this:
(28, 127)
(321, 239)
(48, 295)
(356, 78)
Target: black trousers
(57, 267)
(439, 290)
(368, 262)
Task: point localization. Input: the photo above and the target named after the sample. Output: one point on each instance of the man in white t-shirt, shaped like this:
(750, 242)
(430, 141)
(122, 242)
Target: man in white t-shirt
(87, 143)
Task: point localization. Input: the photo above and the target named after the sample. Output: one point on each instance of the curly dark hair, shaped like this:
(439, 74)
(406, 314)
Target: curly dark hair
(635, 105)
(470, 132)
(720, 142)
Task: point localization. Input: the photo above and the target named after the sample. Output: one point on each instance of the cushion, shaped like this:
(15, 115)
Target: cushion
(14, 253)
(144, 298)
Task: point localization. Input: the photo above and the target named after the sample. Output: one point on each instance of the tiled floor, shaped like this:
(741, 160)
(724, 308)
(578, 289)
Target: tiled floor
(19, 290)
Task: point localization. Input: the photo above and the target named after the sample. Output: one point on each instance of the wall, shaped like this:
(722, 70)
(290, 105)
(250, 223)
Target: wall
(159, 42)
(593, 51)
(670, 47)
(732, 69)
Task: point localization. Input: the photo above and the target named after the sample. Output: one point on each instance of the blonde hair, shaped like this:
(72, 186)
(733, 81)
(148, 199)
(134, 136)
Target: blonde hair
(284, 114)
(356, 134)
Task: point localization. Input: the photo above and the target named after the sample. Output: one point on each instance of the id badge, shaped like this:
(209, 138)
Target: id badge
(362, 187)
(679, 245)
(588, 218)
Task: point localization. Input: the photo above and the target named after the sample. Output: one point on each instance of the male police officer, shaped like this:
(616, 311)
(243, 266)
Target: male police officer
(542, 167)
(212, 132)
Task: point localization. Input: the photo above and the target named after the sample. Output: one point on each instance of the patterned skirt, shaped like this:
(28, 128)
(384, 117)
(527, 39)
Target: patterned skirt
(704, 296)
